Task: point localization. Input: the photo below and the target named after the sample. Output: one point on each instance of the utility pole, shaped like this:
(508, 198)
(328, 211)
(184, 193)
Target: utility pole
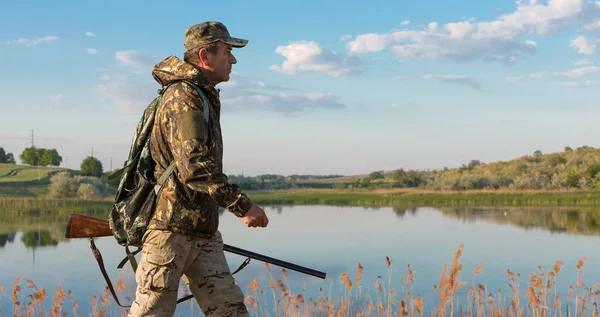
(32, 144)
(110, 164)
(92, 151)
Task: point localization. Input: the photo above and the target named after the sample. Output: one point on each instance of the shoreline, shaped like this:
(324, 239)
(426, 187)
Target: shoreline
(366, 197)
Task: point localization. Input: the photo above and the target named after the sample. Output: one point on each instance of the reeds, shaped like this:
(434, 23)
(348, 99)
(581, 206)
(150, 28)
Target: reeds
(452, 296)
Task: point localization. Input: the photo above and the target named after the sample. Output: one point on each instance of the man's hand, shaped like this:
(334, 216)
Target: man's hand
(255, 217)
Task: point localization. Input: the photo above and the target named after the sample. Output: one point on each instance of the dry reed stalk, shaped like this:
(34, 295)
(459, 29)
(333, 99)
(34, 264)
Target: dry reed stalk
(358, 280)
(16, 291)
(271, 286)
(74, 304)
(58, 301)
(388, 263)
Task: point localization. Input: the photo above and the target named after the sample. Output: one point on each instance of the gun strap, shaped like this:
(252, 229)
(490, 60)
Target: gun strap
(98, 257)
(131, 255)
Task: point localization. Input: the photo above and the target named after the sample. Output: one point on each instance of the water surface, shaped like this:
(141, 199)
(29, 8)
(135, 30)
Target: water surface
(334, 240)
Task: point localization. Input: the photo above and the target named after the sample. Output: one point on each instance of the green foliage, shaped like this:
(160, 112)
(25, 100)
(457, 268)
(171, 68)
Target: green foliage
(30, 156)
(6, 158)
(50, 157)
(40, 156)
(9, 159)
(91, 166)
(554, 171)
(376, 175)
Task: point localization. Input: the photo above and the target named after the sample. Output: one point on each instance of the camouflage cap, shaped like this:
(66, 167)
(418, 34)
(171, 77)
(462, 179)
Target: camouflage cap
(209, 32)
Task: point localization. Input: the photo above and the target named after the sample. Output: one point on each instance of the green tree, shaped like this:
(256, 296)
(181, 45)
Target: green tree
(30, 156)
(50, 157)
(6, 157)
(91, 166)
(376, 175)
(537, 153)
(10, 159)
(593, 170)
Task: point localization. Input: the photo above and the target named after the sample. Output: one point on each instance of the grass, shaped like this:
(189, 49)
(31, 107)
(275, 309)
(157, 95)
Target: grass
(452, 296)
(25, 173)
(412, 197)
(24, 180)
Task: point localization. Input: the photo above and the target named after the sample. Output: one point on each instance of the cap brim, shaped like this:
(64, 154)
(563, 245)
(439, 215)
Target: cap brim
(236, 42)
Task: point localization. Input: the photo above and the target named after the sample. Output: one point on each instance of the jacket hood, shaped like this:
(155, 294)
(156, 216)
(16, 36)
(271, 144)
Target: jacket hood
(172, 69)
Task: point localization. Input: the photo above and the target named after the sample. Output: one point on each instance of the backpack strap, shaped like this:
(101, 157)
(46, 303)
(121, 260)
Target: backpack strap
(172, 166)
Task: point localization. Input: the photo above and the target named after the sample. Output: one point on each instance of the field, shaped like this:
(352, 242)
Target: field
(22, 180)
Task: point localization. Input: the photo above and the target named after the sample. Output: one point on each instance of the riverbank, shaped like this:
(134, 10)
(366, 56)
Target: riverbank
(379, 197)
(415, 197)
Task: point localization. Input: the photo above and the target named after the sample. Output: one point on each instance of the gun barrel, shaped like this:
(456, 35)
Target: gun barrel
(264, 258)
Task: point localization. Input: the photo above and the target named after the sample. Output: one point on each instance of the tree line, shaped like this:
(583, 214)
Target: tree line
(35, 156)
(571, 168)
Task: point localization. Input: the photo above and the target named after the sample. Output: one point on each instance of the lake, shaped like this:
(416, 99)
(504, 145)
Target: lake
(335, 240)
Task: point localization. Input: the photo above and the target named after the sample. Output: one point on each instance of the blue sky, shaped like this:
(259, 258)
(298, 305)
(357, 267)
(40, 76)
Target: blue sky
(323, 87)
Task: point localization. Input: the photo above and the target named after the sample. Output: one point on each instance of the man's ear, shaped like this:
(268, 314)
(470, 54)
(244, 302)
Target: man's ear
(203, 56)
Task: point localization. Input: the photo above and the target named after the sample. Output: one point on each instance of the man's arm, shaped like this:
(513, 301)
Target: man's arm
(198, 170)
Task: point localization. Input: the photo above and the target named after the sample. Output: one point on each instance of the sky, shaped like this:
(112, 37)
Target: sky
(323, 87)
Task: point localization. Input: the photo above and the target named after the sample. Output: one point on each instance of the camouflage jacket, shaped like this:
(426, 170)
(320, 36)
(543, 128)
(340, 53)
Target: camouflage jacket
(190, 200)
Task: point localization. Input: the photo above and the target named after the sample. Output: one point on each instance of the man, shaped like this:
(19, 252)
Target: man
(183, 240)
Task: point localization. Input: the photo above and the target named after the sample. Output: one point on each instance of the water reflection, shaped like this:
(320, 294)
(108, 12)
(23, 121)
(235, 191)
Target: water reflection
(48, 228)
(7, 238)
(555, 220)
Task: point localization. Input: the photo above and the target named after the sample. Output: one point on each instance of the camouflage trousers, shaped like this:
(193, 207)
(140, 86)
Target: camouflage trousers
(167, 257)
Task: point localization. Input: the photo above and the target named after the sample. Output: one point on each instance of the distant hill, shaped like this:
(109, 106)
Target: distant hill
(25, 180)
(26, 173)
(577, 168)
(570, 169)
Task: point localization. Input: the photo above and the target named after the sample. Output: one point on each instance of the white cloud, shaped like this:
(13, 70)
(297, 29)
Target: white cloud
(584, 84)
(242, 93)
(90, 34)
(593, 27)
(307, 56)
(503, 39)
(56, 98)
(405, 22)
(130, 97)
(345, 37)
(447, 78)
(91, 51)
(32, 42)
(127, 83)
(286, 103)
(578, 72)
(574, 73)
(583, 62)
(133, 58)
(585, 46)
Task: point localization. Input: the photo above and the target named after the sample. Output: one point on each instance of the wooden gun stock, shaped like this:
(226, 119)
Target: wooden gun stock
(80, 226)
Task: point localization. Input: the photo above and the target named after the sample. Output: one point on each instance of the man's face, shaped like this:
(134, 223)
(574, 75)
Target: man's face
(219, 64)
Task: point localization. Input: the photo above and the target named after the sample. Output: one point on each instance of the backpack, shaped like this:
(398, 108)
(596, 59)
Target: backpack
(135, 200)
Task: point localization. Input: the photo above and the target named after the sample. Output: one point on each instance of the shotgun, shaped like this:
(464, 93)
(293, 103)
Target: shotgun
(81, 226)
